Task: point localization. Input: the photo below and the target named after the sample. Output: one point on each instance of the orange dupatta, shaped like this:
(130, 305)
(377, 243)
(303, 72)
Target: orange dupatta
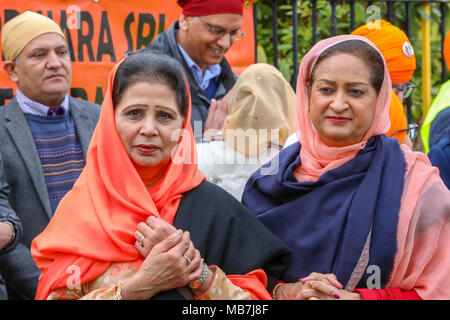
(95, 222)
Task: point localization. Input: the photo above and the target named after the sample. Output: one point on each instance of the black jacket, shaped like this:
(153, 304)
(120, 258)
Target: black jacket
(228, 235)
(166, 43)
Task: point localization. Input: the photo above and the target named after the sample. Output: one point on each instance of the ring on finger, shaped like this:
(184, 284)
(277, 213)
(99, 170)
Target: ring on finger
(142, 241)
(310, 284)
(188, 261)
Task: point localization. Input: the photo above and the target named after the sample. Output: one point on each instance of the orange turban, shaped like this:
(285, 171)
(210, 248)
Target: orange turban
(398, 119)
(395, 47)
(446, 50)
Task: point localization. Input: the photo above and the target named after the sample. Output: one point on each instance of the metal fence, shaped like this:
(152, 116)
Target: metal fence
(440, 9)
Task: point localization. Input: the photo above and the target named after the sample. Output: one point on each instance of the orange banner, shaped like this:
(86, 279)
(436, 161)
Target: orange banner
(99, 32)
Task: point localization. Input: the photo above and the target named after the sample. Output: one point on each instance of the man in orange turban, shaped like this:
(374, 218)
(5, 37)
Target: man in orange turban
(401, 63)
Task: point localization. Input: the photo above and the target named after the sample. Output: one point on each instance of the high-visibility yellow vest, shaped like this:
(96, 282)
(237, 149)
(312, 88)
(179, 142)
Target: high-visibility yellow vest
(441, 102)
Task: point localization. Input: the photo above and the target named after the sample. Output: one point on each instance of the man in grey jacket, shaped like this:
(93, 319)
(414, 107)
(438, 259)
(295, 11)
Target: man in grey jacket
(205, 31)
(44, 137)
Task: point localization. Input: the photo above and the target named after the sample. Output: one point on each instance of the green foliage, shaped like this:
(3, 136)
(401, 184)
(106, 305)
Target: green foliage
(364, 12)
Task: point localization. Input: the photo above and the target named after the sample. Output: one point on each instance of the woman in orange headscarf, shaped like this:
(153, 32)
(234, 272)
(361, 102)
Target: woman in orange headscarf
(115, 234)
(401, 64)
(364, 216)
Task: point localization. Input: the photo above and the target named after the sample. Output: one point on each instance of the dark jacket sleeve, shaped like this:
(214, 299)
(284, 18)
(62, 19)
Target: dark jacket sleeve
(7, 213)
(17, 266)
(20, 273)
(228, 235)
(440, 157)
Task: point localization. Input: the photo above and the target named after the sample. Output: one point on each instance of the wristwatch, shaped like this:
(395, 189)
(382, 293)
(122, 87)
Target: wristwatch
(198, 283)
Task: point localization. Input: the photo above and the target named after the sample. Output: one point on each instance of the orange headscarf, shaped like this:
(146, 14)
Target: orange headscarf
(395, 47)
(446, 50)
(95, 222)
(316, 157)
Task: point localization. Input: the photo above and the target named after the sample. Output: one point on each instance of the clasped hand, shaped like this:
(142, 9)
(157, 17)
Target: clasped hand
(171, 260)
(316, 286)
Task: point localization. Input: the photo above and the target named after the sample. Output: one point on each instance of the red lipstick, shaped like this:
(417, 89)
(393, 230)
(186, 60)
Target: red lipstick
(338, 120)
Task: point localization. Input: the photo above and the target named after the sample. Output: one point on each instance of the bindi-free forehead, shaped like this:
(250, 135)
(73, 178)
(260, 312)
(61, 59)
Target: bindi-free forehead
(148, 94)
(343, 67)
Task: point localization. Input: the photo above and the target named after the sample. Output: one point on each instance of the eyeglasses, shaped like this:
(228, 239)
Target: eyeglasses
(219, 32)
(412, 131)
(406, 90)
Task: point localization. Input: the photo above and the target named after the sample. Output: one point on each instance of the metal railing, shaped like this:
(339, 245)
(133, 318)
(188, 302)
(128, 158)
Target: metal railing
(389, 6)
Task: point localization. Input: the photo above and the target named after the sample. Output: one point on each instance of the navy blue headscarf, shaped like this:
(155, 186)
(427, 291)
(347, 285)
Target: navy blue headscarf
(326, 223)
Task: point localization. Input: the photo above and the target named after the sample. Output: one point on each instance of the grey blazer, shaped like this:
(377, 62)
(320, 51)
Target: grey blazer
(28, 195)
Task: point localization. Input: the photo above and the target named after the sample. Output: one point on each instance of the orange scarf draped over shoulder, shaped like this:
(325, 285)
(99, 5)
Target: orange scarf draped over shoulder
(94, 224)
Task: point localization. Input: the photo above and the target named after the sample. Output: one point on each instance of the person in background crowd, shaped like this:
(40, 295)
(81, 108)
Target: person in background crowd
(10, 224)
(10, 228)
(357, 209)
(205, 31)
(437, 125)
(118, 225)
(261, 113)
(44, 137)
(439, 156)
(401, 64)
(437, 120)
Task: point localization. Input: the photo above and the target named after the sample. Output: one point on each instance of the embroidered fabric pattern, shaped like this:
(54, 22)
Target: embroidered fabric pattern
(360, 266)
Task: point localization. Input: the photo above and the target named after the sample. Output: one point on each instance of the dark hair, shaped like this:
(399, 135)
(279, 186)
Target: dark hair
(153, 68)
(359, 49)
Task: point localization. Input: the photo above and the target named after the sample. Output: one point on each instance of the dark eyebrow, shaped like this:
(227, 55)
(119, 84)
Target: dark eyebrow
(135, 105)
(146, 105)
(348, 83)
(220, 27)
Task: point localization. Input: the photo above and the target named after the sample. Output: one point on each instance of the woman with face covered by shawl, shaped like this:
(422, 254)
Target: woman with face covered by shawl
(118, 234)
(260, 116)
(365, 217)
